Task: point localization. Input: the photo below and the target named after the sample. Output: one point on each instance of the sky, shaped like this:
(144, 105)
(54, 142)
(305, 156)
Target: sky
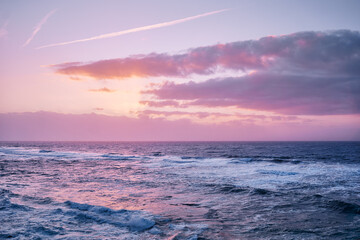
(180, 70)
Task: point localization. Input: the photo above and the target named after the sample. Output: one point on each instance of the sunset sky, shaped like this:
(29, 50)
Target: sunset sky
(179, 70)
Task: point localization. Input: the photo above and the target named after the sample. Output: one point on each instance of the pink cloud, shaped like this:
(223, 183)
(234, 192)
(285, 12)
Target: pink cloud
(104, 89)
(305, 73)
(334, 52)
(169, 103)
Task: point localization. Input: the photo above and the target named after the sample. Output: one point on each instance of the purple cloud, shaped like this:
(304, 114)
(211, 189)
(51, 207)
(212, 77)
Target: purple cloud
(306, 73)
(285, 94)
(169, 103)
(335, 52)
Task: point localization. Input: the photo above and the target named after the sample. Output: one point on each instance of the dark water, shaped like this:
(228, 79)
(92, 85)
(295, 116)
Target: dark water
(177, 190)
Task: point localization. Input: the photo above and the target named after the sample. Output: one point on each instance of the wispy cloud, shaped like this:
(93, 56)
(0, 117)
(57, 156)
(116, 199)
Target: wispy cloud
(132, 30)
(3, 30)
(38, 27)
(170, 103)
(221, 117)
(104, 89)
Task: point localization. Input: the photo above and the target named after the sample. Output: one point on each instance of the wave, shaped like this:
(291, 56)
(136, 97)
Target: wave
(45, 151)
(179, 161)
(114, 157)
(134, 220)
(277, 172)
(334, 204)
(241, 160)
(228, 188)
(47, 219)
(158, 154)
(237, 159)
(233, 189)
(344, 207)
(188, 157)
(38, 218)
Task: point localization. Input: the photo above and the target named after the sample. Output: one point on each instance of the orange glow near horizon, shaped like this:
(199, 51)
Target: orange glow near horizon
(147, 67)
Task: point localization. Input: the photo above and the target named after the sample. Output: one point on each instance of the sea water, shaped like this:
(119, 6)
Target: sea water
(180, 190)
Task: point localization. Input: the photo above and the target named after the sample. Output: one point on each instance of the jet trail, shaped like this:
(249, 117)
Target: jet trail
(38, 27)
(132, 30)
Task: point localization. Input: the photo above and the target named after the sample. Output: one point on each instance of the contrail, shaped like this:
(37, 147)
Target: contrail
(115, 34)
(38, 27)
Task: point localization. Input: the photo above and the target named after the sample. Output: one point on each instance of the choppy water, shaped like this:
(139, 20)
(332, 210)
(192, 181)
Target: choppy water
(108, 190)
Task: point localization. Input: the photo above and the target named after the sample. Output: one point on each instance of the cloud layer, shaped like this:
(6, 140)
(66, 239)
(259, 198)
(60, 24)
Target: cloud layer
(316, 52)
(286, 94)
(216, 115)
(307, 73)
(44, 126)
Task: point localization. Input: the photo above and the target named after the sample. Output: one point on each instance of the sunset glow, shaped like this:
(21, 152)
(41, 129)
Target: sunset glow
(201, 66)
(187, 120)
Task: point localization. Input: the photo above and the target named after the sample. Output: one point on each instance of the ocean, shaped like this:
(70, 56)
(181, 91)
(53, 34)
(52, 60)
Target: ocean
(180, 190)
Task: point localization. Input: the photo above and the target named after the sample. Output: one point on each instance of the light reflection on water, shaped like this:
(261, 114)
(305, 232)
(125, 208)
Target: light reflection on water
(235, 197)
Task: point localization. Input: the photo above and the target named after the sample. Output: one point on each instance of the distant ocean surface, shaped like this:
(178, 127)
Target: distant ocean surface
(180, 190)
